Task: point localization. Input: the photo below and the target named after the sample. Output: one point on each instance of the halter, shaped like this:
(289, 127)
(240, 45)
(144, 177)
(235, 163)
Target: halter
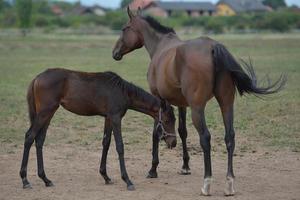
(160, 124)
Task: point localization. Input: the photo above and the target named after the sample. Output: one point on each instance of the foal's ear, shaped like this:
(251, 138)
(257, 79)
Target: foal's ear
(130, 14)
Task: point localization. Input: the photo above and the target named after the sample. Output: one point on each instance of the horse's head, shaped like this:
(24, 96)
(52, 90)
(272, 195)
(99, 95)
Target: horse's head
(165, 126)
(130, 38)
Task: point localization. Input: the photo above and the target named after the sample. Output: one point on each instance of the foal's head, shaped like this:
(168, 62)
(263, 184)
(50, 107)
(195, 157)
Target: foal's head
(165, 127)
(130, 38)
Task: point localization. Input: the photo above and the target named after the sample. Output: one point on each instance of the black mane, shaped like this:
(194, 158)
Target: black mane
(157, 26)
(129, 88)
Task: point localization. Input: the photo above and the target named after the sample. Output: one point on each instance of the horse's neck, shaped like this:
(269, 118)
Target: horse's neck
(148, 106)
(153, 40)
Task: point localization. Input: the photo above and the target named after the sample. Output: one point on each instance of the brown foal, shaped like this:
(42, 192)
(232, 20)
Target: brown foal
(105, 94)
(188, 74)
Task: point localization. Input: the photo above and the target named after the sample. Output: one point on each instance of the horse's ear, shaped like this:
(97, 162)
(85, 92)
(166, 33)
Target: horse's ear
(130, 14)
(139, 11)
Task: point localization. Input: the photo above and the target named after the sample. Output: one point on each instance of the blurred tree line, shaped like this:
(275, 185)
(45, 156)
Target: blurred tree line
(27, 14)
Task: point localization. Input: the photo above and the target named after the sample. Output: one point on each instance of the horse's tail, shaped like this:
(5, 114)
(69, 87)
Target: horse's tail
(31, 101)
(244, 81)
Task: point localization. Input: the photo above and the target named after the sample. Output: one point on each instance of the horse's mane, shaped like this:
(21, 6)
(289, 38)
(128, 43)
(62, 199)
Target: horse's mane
(157, 26)
(129, 88)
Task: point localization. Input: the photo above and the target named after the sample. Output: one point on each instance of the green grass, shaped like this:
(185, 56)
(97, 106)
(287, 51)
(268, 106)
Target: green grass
(274, 121)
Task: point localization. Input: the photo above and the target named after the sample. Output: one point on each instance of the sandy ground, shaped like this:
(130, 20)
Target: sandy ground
(260, 174)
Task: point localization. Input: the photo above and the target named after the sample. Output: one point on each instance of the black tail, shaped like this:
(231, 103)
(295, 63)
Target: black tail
(31, 102)
(244, 81)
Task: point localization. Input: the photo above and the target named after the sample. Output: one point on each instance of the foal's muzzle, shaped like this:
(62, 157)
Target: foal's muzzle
(117, 56)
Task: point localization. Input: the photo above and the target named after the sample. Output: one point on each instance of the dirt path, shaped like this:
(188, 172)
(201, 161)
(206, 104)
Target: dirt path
(74, 171)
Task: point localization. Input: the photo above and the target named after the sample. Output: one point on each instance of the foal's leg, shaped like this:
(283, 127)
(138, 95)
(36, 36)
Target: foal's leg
(29, 138)
(38, 123)
(39, 142)
(155, 159)
(105, 143)
(200, 124)
(116, 125)
(183, 135)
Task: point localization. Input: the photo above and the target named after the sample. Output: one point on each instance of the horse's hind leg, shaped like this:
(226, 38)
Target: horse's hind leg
(224, 94)
(200, 124)
(183, 135)
(230, 144)
(39, 142)
(105, 143)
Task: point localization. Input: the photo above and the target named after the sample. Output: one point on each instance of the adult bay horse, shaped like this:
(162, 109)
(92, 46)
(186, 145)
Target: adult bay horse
(188, 74)
(88, 94)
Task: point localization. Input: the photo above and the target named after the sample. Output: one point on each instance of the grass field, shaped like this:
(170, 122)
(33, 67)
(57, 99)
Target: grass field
(272, 122)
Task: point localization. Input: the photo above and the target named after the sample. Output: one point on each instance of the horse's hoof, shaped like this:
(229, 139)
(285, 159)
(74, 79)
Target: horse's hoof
(130, 187)
(205, 190)
(49, 184)
(152, 175)
(229, 190)
(27, 186)
(185, 172)
(109, 182)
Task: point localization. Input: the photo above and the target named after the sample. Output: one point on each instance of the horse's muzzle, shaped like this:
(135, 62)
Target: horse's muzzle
(171, 142)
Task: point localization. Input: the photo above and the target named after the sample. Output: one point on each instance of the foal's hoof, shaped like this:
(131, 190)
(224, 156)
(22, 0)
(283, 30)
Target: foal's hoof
(229, 190)
(130, 187)
(49, 184)
(185, 172)
(152, 175)
(205, 190)
(27, 186)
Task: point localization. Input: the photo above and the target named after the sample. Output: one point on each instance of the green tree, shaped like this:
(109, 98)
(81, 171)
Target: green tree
(274, 3)
(125, 3)
(24, 9)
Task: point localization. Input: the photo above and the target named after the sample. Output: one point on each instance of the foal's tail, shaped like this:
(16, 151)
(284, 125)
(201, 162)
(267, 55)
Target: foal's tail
(244, 81)
(31, 101)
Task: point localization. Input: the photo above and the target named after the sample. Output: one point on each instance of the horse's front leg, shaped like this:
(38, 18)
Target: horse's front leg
(185, 170)
(105, 143)
(155, 159)
(116, 125)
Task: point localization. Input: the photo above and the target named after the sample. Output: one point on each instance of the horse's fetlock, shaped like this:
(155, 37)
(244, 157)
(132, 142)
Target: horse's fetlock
(41, 174)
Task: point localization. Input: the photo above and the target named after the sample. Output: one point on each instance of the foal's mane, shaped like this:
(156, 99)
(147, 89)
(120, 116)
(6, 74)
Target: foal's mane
(157, 26)
(129, 88)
